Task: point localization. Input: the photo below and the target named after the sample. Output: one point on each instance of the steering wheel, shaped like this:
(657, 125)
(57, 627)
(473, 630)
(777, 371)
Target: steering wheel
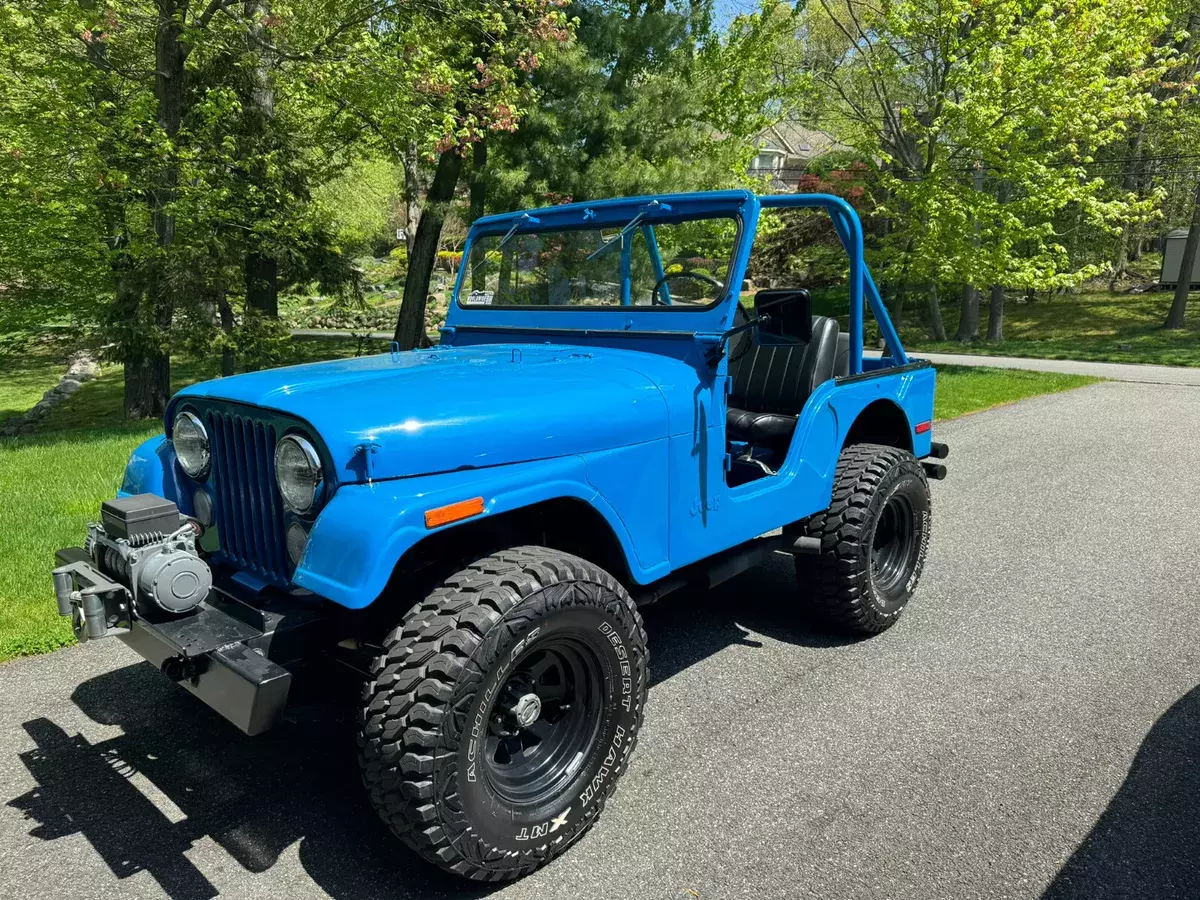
(697, 276)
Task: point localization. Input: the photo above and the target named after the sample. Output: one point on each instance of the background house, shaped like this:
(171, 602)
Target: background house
(786, 148)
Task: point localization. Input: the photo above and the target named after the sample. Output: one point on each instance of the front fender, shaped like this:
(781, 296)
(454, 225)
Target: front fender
(151, 470)
(365, 529)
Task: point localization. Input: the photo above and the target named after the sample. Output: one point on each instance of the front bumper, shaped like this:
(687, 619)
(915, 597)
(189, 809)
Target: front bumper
(214, 652)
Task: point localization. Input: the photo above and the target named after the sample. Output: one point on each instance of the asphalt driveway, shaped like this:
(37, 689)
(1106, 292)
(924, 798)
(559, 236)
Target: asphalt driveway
(1030, 729)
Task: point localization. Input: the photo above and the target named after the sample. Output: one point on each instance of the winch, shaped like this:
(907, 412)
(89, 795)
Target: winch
(143, 543)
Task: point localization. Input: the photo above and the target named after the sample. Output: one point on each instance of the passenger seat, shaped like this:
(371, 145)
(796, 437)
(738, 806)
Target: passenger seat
(774, 377)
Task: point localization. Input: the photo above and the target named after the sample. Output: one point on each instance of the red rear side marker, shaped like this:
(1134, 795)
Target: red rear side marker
(923, 427)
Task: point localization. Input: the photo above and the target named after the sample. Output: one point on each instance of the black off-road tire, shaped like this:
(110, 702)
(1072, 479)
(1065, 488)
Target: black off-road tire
(855, 583)
(436, 689)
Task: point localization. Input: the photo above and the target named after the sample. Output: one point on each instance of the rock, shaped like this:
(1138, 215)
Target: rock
(27, 428)
(67, 386)
(83, 366)
(747, 285)
(9, 430)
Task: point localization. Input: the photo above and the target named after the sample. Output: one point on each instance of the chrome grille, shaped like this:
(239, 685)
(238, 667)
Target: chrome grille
(249, 511)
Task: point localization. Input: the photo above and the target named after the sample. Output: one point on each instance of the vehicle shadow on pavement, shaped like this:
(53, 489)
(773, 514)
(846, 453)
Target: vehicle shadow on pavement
(255, 797)
(179, 775)
(691, 625)
(1147, 842)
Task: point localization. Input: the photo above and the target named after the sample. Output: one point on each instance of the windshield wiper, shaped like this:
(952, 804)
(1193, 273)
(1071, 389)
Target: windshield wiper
(629, 226)
(525, 217)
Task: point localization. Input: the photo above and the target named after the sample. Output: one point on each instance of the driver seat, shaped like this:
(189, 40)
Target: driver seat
(773, 378)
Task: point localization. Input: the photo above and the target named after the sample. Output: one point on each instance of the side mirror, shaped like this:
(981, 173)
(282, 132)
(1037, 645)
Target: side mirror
(785, 313)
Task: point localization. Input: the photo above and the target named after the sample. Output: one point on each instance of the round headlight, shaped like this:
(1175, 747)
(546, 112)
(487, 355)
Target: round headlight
(298, 471)
(191, 445)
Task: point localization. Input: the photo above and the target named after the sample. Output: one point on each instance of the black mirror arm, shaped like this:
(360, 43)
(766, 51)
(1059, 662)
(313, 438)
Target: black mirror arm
(717, 350)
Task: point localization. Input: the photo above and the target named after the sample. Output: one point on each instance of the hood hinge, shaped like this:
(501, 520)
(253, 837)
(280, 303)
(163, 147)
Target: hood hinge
(368, 449)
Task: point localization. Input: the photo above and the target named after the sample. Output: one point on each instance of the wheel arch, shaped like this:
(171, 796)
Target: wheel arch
(881, 421)
(568, 524)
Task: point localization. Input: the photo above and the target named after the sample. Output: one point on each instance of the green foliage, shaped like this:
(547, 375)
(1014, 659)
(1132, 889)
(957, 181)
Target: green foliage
(987, 143)
(413, 84)
(802, 242)
(360, 205)
(648, 98)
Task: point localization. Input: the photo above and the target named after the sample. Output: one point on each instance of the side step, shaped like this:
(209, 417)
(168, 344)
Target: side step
(708, 573)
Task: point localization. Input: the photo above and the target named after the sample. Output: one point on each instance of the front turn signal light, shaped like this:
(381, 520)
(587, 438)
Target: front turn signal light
(454, 512)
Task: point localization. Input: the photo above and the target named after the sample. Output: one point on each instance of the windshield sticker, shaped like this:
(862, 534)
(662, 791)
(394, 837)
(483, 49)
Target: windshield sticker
(480, 298)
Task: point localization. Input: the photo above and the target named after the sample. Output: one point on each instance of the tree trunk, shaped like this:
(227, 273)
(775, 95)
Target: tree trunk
(478, 204)
(996, 315)
(410, 326)
(148, 364)
(412, 193)
(1178, 313)
(226, 313)
(259, 267)
(936, 327)
(968, 315)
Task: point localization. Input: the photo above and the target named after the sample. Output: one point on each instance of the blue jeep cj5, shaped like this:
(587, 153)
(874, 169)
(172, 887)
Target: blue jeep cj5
(474, 526)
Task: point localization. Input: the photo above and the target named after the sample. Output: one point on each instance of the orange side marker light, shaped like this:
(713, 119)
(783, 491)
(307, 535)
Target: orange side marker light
(454, 512)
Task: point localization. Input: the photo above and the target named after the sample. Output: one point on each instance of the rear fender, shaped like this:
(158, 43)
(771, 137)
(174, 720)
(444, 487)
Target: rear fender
(829, 419)
(362, 533)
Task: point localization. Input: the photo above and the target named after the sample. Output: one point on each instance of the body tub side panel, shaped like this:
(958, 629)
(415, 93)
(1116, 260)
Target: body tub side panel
(708, 516)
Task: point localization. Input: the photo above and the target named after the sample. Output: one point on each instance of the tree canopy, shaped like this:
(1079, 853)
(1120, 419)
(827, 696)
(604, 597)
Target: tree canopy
(169, 167)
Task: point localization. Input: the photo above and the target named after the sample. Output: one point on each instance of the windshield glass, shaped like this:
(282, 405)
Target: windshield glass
(666, 265)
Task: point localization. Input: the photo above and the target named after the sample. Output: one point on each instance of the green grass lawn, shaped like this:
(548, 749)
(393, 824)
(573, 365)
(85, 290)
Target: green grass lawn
(52, 482)
(1094, 325)
(968, 389)
(24, 379)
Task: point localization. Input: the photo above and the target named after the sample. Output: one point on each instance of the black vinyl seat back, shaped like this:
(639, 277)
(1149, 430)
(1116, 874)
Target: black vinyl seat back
(842, 365)
(776, 375)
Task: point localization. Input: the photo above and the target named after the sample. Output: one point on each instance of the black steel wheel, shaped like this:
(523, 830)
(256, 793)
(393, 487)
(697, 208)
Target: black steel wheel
(873, 539)
(892, 544)
(547, 714)
(503, 711)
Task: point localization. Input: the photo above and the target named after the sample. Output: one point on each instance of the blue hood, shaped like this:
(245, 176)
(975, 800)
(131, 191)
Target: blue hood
(453, 408)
